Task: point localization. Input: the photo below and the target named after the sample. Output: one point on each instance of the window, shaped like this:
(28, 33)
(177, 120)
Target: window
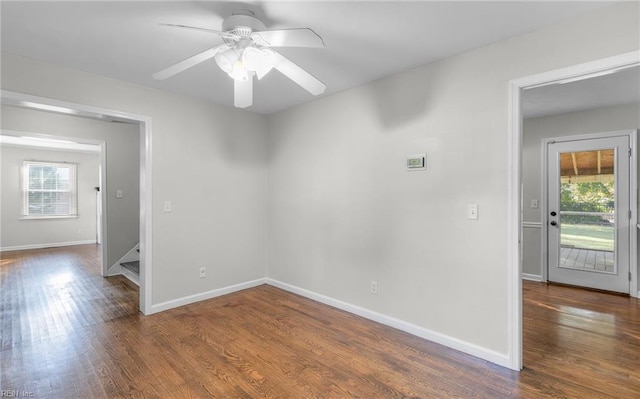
(49, 190)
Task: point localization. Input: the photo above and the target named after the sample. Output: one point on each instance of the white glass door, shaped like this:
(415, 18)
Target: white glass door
(588, 213)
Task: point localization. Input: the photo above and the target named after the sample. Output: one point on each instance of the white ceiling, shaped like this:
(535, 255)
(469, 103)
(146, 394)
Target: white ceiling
(365, 40)
(619, 88)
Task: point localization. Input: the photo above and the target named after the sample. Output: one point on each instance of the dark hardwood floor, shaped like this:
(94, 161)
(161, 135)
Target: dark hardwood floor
(67, 332)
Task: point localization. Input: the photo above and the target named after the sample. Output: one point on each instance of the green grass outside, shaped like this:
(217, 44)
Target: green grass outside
(587, 236)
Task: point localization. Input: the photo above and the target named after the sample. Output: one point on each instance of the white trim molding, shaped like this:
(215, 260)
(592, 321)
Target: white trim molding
(135, 279)
(531, 225)
(514, 181)
(48, 245)
(186, 300)
(532, 277)
(442, 339)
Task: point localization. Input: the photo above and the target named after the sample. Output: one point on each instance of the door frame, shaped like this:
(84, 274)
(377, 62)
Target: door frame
(514, 187)
(633, 167)
(102, 168)
(64, 107)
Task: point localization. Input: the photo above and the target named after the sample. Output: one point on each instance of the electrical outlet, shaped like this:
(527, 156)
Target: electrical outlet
(534, 204)
(203, 272)
(374, 287)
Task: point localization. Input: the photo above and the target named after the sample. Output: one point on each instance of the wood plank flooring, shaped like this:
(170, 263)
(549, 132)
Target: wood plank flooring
(67, 332)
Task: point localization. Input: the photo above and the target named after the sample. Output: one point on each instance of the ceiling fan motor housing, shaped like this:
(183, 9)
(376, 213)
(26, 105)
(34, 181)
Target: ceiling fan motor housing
(242, 23)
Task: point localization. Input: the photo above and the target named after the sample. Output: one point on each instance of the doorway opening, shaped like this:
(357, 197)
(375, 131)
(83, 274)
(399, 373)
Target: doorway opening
(519, 205)
(145, 193)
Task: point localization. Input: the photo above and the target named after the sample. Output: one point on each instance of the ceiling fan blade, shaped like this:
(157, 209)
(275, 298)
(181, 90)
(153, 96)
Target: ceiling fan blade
(188, 63)
(302, 37)
(243, 92)
(226, 35)
(298, 75)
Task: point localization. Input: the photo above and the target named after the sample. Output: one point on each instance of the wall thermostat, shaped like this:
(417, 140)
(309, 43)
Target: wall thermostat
(417, 162)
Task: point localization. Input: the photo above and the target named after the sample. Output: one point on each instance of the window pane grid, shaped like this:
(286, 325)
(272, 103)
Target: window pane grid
(50, 189)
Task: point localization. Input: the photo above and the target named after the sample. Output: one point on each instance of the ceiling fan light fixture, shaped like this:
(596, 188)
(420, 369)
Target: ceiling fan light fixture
(258, 60)
(227, 59)
(240, 72)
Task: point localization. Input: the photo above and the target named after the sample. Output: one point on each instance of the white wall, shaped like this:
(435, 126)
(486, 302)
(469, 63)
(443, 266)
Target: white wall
(122, 166)
(17, 232)
(344, 211)
(624, 117)
(209, 160)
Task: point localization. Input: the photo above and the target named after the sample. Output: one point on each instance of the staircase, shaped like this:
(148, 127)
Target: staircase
(133, 267)
(130, 265)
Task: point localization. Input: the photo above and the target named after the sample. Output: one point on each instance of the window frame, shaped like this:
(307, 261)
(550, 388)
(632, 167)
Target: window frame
(73, 189)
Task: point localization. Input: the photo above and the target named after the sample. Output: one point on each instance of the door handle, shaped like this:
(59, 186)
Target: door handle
(553, 213)
(553, 223)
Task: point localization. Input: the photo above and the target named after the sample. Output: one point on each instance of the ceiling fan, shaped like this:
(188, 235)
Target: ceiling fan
(247, 51)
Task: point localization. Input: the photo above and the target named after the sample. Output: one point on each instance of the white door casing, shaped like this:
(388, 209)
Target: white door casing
(514, 183)
(146, 191)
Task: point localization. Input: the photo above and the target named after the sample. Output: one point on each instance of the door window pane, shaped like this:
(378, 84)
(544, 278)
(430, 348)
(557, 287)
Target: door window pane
(587, 203)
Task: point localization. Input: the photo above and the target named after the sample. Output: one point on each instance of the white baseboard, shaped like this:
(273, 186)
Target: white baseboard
(442, 339)
(159, 307)
(532, 277)
(49, 245)
(114, 271)
(134, 278)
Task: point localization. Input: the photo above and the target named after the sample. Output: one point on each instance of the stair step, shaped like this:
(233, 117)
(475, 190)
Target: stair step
(133, 267)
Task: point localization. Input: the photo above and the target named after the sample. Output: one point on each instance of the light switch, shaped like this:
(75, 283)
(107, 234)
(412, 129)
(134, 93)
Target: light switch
(472, 211)
(534, 204)
(119, 194)
(167, 206)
